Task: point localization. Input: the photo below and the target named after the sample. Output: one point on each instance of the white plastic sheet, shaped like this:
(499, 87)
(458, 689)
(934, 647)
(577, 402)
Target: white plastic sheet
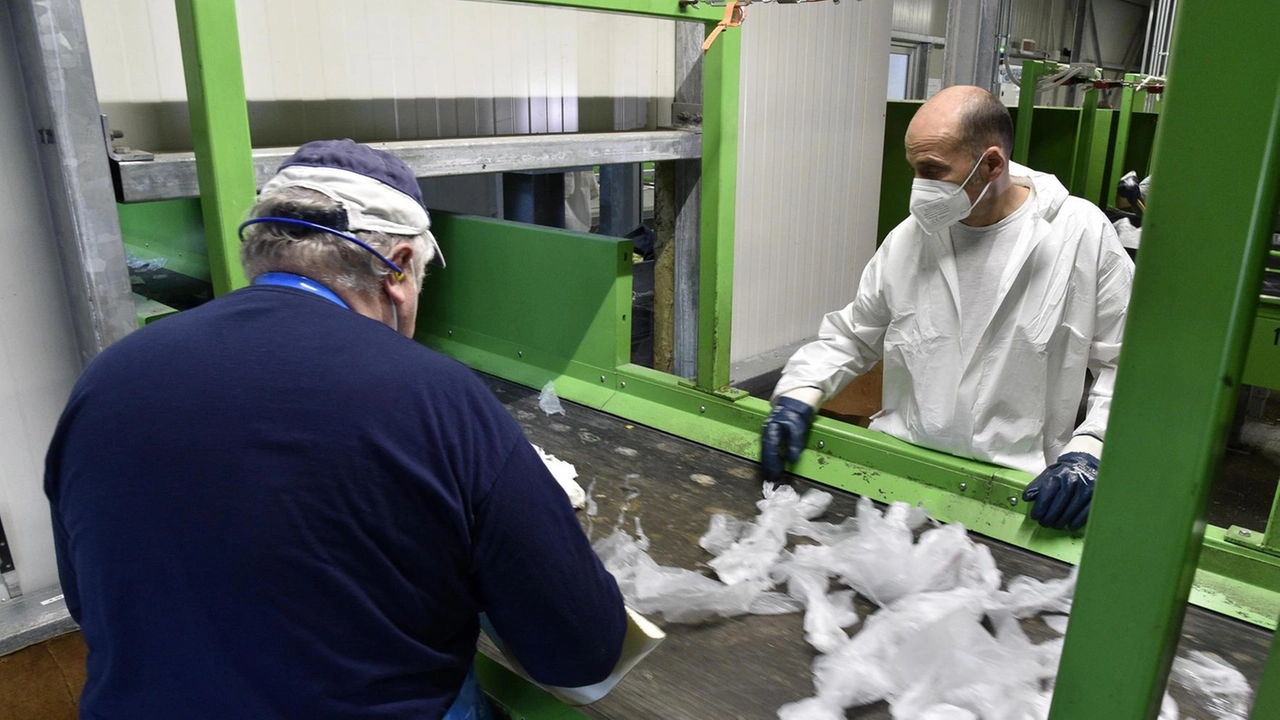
(549, 401)
(760, 544)
(1223, 688)
(565, 473)
(947, 642)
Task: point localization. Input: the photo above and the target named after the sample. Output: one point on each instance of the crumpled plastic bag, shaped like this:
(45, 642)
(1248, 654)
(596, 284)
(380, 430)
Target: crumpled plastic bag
(761, 542)
(826, 613)
(722, 532)
(883, 562)
(565, 473)
(677, 594)
(1027, 597)
(549, 401)
(1223, 688)
(859, 672)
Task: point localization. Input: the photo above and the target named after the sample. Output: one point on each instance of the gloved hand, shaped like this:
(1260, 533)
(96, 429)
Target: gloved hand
(1063, 493)
(784, 434)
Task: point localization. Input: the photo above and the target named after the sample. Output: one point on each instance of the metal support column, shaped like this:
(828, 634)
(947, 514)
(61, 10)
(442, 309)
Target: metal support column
(972, 49)
(1084, 144)
(63, 103)
(219, 130)
(1032, 71)
(1128, 95)
(1267, 703)
(719, 171)
(619, 199)
(688, 203)
(1181, 364)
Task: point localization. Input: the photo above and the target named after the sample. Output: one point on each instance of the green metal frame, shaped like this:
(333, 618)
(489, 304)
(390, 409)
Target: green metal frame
(518, 310)
(1168, 427)
(219, 130)
(1032, 71)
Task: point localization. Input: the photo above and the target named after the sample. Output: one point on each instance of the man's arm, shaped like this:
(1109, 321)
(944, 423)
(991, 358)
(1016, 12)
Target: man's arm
(1115, 281)
(850, 341)
(1063, 493)
(544, 589)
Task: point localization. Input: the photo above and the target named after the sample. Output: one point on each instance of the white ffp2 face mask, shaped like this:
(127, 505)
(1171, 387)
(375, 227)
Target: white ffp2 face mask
(938, 204)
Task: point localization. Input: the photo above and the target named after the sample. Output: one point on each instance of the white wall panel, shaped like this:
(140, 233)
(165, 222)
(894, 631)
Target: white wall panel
(814, 79)
(429, 68)
(39, 361)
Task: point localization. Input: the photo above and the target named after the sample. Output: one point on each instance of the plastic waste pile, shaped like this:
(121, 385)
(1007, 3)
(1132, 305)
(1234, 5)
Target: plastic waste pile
(946, 642)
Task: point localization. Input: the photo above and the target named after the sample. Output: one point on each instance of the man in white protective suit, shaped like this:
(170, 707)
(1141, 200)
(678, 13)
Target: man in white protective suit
(987, 306)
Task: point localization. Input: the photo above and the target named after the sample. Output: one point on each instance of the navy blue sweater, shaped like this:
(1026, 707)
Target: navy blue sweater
(272, 507)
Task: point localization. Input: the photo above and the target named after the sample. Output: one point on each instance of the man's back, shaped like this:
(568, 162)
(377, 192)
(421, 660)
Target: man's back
(273, 507)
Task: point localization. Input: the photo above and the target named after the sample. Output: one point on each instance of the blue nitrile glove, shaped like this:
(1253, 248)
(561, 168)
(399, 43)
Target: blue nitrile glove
(784, 434)
(1064, 491)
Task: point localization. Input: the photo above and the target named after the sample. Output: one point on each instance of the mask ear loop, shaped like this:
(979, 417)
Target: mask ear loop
(395, 269)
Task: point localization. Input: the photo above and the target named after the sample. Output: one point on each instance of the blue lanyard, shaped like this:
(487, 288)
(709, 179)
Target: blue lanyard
(285, 279)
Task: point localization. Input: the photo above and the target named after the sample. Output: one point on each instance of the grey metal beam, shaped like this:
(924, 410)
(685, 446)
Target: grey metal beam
(63, 103)
(972, 29)
(619, 199)
(688, 207)
(173, 175)
(34, 618)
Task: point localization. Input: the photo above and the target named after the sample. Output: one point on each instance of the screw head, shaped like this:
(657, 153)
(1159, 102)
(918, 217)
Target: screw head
(964, 486)
(622, 384)
(1013, 500)
(601, 378)
(519, 353)
(1245, 532)
(821, 444)
(450, 333)
(702, 409)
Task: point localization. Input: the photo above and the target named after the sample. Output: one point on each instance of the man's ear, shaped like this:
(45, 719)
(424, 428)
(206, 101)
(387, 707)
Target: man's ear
(399, 285)
(996, 162)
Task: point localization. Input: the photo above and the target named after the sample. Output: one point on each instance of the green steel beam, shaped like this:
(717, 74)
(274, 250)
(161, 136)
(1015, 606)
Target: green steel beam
(672, 9)
(219, 130)
(518, 698)
(1181, 364)
(1267, 703)
(1084, 144)
(1032, 71)
(1095, 173)
(719, 184)
(1127, 99)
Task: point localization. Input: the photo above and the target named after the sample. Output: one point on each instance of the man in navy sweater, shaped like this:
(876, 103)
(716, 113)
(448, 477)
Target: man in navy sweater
(277, 505)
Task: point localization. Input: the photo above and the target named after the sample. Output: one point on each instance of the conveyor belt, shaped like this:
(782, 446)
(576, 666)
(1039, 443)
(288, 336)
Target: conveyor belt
(746, 668)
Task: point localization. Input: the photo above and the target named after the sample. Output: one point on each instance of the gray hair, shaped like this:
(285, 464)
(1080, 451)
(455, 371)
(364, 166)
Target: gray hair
(321, 256)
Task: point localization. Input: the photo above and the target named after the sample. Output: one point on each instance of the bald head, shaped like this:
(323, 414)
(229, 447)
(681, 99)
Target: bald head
(969, 117)
(964, 135)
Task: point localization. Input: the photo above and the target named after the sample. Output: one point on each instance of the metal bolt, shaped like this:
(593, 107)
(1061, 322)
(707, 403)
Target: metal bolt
(1013, 500)
(519, 353)
(821, 444)
(601, 378)
(702, 409)
(450, 333)
(1245, 533)
(622, 384)
(964, 486)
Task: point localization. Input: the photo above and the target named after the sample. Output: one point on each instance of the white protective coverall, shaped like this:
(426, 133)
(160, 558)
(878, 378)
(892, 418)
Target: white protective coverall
(1060, 308)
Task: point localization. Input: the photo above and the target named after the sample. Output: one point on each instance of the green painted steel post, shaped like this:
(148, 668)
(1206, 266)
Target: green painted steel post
(1181, 364)
(1084, 144)
(719, 172)
(1127, 98)
(219, 130)
(1267, 704)
(1032, 71)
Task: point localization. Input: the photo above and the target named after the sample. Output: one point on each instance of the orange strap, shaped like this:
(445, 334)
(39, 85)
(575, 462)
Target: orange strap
(734, 14)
